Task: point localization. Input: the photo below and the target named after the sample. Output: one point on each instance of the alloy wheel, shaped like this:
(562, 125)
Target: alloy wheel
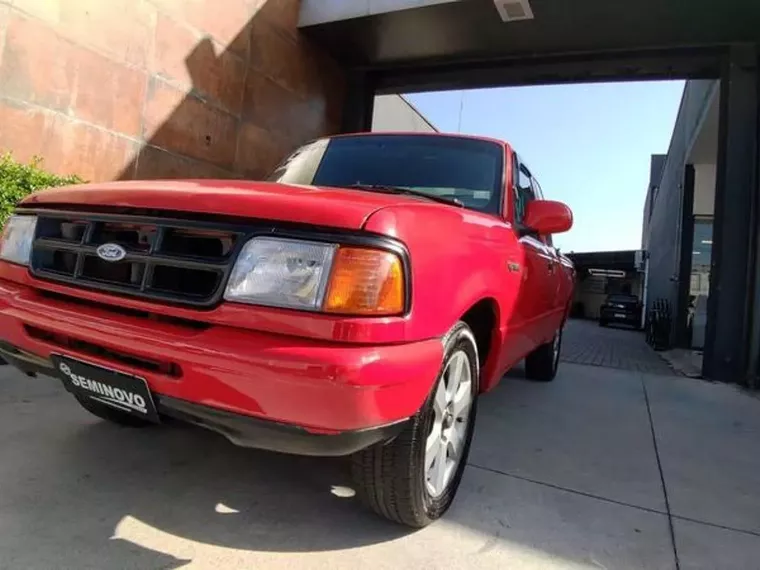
(448, 434)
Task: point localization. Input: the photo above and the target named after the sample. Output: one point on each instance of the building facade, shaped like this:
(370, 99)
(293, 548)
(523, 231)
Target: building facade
(394, 113)
(140, 89)
(603, 273)
(679, 222)
(162, 88)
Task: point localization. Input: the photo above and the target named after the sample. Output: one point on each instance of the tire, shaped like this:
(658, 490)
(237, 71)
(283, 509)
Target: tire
(111, 414)
(391, 478)
(542, 364)
(602, 323)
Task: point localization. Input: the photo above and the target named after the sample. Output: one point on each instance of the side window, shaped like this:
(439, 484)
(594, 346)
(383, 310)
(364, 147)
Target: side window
(539, 195)
(537, 189)
(523, 188)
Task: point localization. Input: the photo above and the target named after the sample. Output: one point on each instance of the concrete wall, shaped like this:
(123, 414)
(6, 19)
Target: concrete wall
(395, 113)
(665, 223)
(656, 164)
(161, 88)
(704, 189)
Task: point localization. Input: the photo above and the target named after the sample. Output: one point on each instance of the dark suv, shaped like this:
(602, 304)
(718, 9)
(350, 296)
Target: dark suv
(620, 308)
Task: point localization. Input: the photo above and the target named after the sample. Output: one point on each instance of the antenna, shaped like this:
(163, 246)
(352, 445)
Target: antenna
(461, 109)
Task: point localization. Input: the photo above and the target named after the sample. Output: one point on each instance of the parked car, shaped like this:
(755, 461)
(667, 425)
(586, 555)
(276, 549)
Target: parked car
(620, 308)
(355, 304)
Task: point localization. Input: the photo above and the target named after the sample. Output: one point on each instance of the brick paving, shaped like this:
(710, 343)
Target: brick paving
(585, 342)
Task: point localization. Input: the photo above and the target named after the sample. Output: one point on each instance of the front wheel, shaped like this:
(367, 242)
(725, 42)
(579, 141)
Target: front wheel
(543, 362)
(413, 479)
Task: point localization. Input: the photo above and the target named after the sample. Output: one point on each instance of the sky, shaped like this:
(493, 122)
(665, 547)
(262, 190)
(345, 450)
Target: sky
(589, 145)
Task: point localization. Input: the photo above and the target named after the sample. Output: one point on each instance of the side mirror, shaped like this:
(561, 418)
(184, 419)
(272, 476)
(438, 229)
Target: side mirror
(547, 217)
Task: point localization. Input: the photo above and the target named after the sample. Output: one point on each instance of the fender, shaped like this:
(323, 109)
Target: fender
(458, 258)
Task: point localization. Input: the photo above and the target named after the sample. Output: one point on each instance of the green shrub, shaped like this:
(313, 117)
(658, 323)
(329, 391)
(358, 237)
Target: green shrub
(17, 180)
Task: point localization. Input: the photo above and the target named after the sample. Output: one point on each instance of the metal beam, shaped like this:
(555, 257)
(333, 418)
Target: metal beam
(580, 68)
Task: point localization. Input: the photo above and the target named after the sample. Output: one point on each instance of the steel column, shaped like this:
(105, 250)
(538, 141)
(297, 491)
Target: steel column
(359, 102)
(729, 323)
(682, 338)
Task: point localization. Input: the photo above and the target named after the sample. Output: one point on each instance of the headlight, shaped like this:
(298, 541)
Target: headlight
(317, 276)
(16, 240)
(279, 272)
(365, 282)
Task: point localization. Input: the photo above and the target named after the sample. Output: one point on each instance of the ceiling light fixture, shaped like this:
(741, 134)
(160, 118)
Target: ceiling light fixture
(614, 273)
(514, 10)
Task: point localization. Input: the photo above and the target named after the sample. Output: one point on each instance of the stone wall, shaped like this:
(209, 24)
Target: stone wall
(161, 88)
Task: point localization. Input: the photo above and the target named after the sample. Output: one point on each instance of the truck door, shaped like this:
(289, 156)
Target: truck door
(538, 290)
(557, 286)
(541, 268)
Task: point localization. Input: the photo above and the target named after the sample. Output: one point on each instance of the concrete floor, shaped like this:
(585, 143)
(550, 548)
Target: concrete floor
(562, 475)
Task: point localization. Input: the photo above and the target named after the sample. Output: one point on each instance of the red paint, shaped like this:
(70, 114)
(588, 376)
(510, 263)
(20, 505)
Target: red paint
(323, 372)
(331, 207)
(315, 384)
(548, 217)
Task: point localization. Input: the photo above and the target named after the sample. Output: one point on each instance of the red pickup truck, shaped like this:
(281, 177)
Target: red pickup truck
(356, 303)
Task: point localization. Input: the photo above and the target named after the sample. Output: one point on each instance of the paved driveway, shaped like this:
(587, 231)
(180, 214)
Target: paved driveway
(622, 347)
(562, 475)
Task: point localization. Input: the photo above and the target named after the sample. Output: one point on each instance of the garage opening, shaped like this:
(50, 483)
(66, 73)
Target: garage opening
(623, 156)
(440, 45)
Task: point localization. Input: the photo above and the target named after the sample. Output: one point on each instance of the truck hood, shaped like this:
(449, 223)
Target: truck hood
(332, 207)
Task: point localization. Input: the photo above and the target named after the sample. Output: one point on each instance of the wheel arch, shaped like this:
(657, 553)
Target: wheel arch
(483, 318)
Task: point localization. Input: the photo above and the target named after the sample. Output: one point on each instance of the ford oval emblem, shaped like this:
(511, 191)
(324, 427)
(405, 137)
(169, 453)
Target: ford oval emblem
(111, 252)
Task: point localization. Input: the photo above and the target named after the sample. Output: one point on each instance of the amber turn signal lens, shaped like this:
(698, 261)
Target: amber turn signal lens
(365, 282)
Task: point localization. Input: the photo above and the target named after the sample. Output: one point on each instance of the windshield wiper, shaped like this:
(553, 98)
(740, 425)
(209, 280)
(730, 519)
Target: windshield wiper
(408, 192)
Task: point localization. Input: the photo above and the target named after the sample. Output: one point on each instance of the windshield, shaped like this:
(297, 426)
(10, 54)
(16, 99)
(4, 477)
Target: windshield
(466, 170)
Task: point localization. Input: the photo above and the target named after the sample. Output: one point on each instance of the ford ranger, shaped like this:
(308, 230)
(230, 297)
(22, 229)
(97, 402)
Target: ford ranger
(356, 304)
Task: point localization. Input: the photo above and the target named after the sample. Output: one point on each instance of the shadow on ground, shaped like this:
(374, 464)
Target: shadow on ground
(561, 475)
(80, 493)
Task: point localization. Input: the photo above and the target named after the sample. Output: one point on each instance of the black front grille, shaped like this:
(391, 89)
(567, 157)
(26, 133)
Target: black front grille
(66, 342)
(165, 259)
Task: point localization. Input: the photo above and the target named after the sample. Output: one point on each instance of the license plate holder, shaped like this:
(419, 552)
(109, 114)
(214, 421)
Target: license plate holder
(619, 315)
(109, 387)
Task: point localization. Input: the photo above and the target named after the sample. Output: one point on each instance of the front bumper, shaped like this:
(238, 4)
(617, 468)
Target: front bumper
(245, 384)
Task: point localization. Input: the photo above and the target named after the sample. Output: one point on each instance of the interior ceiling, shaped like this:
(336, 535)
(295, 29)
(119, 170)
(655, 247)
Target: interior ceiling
(619, 35)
